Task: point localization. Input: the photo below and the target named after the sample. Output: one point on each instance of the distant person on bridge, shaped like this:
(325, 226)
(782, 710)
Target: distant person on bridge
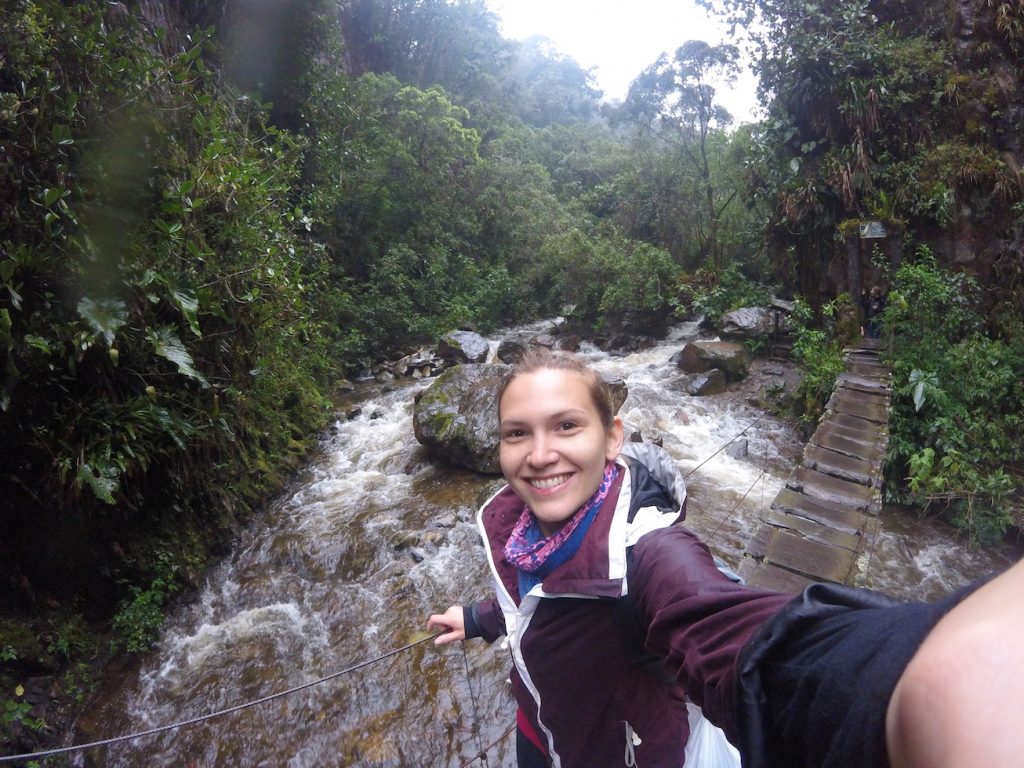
(873, 307)
(596, 579)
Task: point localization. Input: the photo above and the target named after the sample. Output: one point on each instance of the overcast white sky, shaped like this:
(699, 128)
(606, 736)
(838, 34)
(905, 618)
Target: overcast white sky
(620, 37)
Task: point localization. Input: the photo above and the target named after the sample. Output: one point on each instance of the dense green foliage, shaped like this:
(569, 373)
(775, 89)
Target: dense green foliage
(712, 294)
(958, 407)
(818, 347)
(153, 282)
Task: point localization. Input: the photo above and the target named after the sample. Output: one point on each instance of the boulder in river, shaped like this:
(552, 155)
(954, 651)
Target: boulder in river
(627, 343)
(701, 356)
(457, 347)
(738, 449)
(711, 382)
(513, 347)
(421, 363)
(456, 418)
(748, 323)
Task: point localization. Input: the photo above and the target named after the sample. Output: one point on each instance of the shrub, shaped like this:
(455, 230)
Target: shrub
(712, 295)
(958, 402)
(142, 614)
(819, 353)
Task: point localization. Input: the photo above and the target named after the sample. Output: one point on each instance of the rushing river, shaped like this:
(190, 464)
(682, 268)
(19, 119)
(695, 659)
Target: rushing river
(372, 538)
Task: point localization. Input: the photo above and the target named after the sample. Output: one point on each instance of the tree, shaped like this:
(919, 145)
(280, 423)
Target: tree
(552, 88)
(455, 45)
(675, 100)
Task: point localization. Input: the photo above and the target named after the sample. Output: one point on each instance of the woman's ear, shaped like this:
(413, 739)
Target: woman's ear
(616, 434)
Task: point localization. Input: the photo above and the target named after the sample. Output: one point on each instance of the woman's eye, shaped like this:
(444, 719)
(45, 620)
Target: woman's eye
(567, 426)
(513, 434)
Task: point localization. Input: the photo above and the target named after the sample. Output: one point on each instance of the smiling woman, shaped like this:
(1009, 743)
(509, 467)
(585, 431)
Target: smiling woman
(617, 615)
(578, 508)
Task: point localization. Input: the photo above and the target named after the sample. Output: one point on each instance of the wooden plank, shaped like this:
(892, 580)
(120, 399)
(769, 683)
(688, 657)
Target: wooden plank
(869, 384)
(860, 405)
(813, 530)
(810, 558)
(827, 488)
(840, 465)
(771, 577)
(838, 516)
(874, 436)
(826, 438)
(854, 421)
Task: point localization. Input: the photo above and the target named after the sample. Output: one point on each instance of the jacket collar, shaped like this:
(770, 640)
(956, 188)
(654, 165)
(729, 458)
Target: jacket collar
(648, 494)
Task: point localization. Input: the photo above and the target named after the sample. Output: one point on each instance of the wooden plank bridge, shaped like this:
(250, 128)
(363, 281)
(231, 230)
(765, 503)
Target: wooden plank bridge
(823, 523)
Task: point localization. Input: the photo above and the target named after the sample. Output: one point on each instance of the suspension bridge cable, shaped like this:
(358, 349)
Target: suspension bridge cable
(211, 715)
(735, 507)
(724, 446)
(472, 698)
(489, 747)
(764, 472)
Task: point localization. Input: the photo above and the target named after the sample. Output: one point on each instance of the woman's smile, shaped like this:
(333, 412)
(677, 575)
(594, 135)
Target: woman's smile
(549, 483)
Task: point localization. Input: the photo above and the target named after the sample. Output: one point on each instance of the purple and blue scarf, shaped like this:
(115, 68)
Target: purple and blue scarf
(535, 556)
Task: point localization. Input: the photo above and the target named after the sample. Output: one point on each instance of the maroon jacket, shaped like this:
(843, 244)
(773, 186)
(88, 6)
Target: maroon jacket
(575, 664)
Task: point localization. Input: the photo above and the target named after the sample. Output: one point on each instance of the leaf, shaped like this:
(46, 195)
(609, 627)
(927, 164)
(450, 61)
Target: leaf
(168, 346)
(105, 316)
(61, 134)
(38, 342)
(102, 482)
(919, 395)
(188, 304)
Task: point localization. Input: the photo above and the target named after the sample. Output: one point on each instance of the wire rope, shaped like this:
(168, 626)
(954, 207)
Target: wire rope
(218, 713)
(724, 446)
(489, 747)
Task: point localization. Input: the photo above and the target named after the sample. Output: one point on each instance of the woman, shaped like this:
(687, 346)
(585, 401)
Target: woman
(595, 577)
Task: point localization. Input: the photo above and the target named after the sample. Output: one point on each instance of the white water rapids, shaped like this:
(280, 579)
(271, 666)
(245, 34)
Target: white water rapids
(372, 538)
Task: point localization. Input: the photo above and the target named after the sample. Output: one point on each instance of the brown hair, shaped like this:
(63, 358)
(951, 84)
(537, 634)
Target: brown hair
(541, 358)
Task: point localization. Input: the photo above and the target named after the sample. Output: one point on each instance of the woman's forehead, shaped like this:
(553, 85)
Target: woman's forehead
(547, 390)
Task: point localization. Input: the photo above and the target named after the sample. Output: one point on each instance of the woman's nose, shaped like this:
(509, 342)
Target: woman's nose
(541, 452)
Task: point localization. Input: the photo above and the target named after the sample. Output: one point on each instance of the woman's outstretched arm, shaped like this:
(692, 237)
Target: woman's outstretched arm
(960, 701)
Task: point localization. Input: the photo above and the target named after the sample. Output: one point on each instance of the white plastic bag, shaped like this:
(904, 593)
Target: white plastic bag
(707, 746)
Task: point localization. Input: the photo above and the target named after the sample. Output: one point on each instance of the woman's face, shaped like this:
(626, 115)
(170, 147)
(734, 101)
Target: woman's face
(553, 445)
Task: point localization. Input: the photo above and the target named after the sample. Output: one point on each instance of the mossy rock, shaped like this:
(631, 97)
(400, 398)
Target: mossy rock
(702, 356)
(456, 418)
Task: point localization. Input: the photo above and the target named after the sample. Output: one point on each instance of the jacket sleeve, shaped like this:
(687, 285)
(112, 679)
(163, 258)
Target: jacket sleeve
(484, 619)
(697, 620)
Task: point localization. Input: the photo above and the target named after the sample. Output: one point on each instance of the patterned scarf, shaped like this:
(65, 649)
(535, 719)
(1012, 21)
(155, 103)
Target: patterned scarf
(535, 556)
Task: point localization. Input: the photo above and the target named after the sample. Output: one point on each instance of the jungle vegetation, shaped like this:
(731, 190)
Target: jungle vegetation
(211, 213)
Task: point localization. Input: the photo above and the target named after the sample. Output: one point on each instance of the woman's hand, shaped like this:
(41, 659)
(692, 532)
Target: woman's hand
(451, 623)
